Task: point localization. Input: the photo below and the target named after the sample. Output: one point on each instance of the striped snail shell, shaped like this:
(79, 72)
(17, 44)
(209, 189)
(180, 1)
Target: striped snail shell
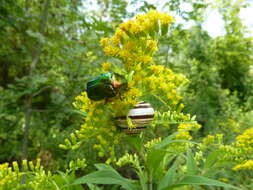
(141, 115)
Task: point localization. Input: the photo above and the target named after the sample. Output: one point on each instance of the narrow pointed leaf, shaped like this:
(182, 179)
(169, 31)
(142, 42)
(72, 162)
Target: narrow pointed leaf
(93, 187)
(167, 180)
(200, 180)
(106, 176)
(154, 158)
(211, 159)
(191, 164)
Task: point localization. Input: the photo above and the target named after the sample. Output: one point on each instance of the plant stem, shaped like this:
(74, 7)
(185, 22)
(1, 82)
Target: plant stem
(42, 28)
(26, 132)
(150, 182)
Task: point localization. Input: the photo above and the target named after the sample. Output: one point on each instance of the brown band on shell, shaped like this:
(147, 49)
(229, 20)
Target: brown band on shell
(142, 106)
(142, 127)
(136, 117)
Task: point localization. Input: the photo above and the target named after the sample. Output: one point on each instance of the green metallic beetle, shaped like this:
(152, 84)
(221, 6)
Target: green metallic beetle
(105, 86)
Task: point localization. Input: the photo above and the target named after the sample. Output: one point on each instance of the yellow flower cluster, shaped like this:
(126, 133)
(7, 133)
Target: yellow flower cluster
(164, 82)
(82, 102)
(246, 165)
(134, 44)
(230, 125)
(127, 101)
(241, 151)
(184, 134)
(212, 139)
(186, 128)
(131, 159)
(208, 140)
(135, 41)
(99, 122)
(106, 66)
(245, 141)
(145, 24)
(153, 142)
(151, 46)
(74, 165)
(10, 177)
(244, 147)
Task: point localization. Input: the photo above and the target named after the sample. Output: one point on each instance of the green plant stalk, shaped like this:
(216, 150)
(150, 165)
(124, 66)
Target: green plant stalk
(148, 176)
(150, 181)
(143, 180)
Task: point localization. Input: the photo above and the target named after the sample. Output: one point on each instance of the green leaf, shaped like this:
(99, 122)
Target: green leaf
(191, 164)
(105, 167)
(63, 180)
(93, 187)
(211, 159)
(134, 141)
(154, 158)
(106, 175)
(84, 114)
(200, 180)
(168, 178)
(165, 28)
(168, 140)
(210, 172)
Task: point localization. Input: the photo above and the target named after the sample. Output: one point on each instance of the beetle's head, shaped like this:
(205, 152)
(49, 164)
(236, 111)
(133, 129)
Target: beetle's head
(119, 83)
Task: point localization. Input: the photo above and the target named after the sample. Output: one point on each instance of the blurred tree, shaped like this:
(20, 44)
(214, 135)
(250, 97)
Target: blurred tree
(49, 51)
(43, 61)
(233, 52)
(218, 68)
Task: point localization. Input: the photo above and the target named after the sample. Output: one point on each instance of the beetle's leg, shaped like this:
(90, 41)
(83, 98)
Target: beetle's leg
(120, 96)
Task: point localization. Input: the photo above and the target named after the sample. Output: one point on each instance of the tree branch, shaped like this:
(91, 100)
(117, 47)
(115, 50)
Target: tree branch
(40, 90)
(35, 60)
(42, 28)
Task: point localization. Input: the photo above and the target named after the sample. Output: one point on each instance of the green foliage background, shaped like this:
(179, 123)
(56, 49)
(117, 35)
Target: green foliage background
(49, 49)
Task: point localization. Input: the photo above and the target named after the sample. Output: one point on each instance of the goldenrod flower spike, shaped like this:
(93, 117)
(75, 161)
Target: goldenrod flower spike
(133, 44)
